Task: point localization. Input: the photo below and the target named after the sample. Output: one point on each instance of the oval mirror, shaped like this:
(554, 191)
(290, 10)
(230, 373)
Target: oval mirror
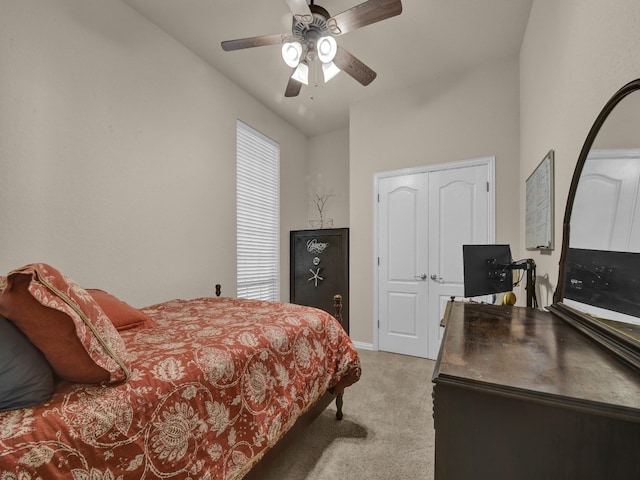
(599, 276)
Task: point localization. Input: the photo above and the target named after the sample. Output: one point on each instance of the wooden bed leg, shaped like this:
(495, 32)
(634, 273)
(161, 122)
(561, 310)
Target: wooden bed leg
(339, 406)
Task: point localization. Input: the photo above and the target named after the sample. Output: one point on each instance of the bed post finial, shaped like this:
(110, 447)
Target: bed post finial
(337, 307)
(218, 289)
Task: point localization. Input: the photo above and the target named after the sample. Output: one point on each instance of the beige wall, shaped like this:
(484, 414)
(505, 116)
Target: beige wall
(117, 145)
(575, 55)
(328, 172)
(117, 153)
(474, 114)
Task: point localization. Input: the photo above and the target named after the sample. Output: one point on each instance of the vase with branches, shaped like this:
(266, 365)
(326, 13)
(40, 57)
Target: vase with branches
(320, 200)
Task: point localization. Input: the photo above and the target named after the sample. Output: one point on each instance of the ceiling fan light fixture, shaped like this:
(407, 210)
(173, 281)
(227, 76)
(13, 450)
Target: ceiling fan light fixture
(312, 36)
(327, 48)
(329, 70)
(292, 53)
(301, 74)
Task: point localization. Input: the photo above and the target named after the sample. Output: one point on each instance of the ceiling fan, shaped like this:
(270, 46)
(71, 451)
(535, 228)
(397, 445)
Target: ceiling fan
(313, 35)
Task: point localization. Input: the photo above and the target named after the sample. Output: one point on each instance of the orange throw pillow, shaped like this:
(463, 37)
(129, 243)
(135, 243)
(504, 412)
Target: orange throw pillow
(66, 324)
(122, 315)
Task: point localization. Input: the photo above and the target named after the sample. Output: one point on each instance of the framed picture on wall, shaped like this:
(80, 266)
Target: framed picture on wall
(539, 206)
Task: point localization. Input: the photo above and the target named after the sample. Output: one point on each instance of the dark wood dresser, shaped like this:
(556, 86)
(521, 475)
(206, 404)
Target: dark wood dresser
(520, 394)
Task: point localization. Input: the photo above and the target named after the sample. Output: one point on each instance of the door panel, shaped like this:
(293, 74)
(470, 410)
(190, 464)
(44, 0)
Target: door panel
(458, 215)
(452, 212)
(401, 239)
(403, 308)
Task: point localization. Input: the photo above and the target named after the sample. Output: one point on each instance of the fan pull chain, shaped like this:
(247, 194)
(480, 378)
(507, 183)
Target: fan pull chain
(314, 76)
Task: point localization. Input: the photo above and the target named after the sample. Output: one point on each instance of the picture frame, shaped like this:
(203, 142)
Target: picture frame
(539, 219)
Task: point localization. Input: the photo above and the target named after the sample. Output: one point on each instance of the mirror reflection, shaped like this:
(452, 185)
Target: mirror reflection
(602, 276)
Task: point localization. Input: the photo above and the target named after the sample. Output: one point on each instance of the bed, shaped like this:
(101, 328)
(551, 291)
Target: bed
(195, 389)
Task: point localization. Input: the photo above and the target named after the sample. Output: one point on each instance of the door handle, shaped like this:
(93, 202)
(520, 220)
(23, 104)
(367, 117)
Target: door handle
(436, 278)
(421, 277)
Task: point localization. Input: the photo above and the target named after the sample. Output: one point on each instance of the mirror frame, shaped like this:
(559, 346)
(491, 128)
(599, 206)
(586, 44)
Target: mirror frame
(623, 346)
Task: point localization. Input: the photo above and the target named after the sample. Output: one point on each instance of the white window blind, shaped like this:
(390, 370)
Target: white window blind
(258, 217)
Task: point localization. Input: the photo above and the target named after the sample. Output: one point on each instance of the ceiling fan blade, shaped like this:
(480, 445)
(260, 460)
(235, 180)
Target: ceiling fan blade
(300, 10)
(260, 41)
(346, 62)
(293, 88)
(364, 14)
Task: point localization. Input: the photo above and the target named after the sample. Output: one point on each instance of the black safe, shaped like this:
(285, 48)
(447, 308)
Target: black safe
(320, 269)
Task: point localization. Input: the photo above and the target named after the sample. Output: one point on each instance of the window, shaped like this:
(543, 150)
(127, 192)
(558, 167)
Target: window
(258, 217)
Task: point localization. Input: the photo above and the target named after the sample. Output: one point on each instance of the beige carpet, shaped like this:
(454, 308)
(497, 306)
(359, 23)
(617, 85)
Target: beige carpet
(386, 434)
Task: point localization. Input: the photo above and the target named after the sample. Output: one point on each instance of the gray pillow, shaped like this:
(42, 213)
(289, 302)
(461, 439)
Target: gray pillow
(26, 378)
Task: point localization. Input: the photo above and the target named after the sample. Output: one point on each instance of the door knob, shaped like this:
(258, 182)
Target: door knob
(436, 278)
(421, 277)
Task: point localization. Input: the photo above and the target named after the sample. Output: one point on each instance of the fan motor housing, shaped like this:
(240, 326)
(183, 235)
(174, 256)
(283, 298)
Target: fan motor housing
(310, 32)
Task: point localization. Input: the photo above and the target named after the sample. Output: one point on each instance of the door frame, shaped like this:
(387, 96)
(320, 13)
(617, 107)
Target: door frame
(490, 163)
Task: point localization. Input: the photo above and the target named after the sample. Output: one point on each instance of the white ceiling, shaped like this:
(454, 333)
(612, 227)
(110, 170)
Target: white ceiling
(430, 38)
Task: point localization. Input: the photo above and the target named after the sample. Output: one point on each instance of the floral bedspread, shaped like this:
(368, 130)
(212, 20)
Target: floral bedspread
(212, 388)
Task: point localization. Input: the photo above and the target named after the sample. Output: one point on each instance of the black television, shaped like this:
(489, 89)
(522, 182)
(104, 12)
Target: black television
(487, 269)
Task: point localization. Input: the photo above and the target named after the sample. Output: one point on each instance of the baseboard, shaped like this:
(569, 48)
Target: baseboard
(363, 346)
